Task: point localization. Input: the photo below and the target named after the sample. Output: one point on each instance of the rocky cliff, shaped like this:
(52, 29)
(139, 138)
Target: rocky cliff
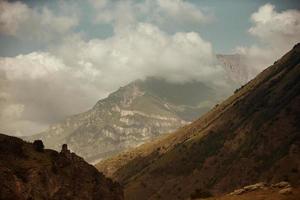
(28, 171)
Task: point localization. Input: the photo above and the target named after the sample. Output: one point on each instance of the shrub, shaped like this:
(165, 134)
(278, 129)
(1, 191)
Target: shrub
(38, 145)
(200, 193)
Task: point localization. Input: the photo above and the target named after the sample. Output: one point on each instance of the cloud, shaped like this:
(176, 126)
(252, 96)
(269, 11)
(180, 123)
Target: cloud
(98, 3)
(167, 14)
(21, 21)
(12, 15)
(38, 89)
(182, 11)
(70, 76)
(141, 51)
(277, 32)
(44, 87)
(276, 28)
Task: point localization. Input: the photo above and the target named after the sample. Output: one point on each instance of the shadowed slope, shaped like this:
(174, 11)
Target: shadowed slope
(28, 172)
(252, 136)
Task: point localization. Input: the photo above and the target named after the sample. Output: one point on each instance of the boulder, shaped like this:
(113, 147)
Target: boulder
(282, 184)
(286, 191)
(238, 192)
(255, 186)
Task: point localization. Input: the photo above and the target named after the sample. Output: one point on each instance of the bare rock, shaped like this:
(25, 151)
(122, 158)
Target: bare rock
(238, 192)
(256, 186)
(282, 184)
(286, 191)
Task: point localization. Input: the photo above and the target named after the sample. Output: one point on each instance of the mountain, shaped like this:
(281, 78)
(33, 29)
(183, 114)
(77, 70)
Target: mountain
(28, 171)
(252, 136)
(235, 67)
(137, 112)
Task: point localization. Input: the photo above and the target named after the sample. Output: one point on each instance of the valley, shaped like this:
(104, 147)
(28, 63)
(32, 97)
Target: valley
(236, 143)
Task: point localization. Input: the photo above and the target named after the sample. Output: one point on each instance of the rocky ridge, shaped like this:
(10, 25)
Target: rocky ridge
(28, 171)
(136, 113)
(252, 136)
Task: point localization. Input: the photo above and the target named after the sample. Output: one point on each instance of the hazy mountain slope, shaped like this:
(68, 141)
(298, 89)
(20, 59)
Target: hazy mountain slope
(27, 171)
(252, 136)
(130, 116)
(235, 67)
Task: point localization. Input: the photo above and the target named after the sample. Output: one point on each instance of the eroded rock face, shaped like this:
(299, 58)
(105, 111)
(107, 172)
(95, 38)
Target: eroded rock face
(27, 173)
(134, 114)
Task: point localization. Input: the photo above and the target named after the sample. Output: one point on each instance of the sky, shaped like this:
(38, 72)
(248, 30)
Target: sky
(60, 57)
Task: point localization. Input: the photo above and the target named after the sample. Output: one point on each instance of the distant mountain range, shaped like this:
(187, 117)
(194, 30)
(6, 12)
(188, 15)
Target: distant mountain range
(253, 136)
(136, 113)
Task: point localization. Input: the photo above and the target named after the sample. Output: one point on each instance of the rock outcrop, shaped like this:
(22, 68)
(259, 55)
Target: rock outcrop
(28, 172)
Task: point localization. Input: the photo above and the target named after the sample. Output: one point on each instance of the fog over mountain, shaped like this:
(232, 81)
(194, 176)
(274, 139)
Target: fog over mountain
(136, 113)
(251, 137)
(59, 58)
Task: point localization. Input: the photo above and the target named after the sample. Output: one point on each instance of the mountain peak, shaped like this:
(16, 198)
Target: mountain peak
(251, 137)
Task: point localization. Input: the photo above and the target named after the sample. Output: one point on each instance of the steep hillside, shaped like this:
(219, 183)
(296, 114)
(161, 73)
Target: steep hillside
(252, 136)
(130, 116)
(28, 171)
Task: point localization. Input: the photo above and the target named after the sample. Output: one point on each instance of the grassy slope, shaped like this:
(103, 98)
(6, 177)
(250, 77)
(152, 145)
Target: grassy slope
(248, 137)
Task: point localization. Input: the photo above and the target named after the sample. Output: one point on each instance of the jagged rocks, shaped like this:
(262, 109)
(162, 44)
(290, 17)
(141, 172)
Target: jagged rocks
(255, 186)
(249, 188)
(285, 187)
(286, 191)
(282, 184)
(238, 192)
(26, 173)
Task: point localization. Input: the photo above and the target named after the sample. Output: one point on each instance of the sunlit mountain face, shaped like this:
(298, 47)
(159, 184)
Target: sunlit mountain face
(58, 58)
(122, 84)
(130, 116)
(238, 147)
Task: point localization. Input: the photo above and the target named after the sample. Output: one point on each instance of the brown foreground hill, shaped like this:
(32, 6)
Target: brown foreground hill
(30, 172)
(252, 136)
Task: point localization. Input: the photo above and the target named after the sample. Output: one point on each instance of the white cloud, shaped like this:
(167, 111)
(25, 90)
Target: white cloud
(38, 89)
(277, 32)
(17, 19)
(12, 15)
(168, 14)
(98, 3)
(181, 11)
(278, 29)
(31, 66)
(143, 51)
(71, 77)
